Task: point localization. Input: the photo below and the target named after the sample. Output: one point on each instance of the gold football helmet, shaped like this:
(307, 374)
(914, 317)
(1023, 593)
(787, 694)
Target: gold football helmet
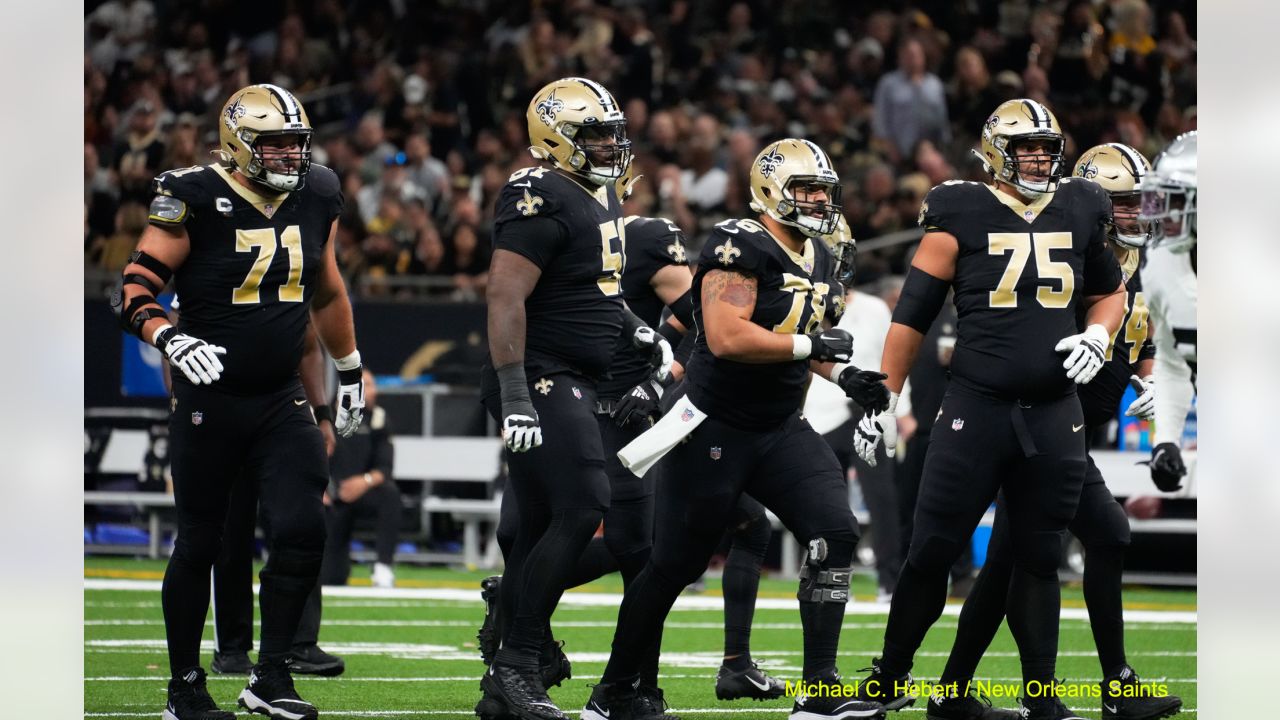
(1119, 169)
(784, 167)
(577, 125)
(845, 249)
(626, 184)
(258, 112)
(1015, 122)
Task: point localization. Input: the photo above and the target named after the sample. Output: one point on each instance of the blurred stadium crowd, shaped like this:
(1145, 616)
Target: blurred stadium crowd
(420, 106)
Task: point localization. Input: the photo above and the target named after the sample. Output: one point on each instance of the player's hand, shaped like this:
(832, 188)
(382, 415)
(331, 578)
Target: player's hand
(1144, 406)
(350, 401)
(197, 359)
(1167, 468)
(873, 428)
(1088, 352)
(639, 405)
(866, 388)
(660, 355)
(834, 345)
(520, 429)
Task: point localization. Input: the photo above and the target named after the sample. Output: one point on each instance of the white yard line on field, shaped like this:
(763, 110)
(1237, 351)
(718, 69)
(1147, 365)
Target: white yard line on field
(685, 602)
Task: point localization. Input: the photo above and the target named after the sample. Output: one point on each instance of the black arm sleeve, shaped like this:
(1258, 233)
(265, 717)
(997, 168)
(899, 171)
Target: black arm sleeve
(921, 300)
(682, 308)
(685, 349)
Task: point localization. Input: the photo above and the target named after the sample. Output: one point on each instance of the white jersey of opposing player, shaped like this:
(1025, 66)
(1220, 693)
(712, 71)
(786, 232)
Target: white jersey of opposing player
(1169, 283)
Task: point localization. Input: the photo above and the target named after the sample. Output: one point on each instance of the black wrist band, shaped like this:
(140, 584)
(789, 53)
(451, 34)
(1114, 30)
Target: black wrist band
(322, 412)
(352, 376)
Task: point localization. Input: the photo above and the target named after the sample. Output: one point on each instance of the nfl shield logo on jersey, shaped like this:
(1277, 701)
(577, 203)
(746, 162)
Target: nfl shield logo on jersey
(957, 424)
(577, 393)
(687, 415)
(715, 453)
(197, 418)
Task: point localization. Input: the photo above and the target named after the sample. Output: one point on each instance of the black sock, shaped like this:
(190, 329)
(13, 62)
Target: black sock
(640, 618)
(740, 663)
(1034, 606)
(917, 605)
(545, 572)
(740, 583)
(980, 619)
(596, 562)
(1102, 595)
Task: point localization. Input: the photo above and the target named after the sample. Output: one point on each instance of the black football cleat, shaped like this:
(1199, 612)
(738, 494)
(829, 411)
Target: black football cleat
(612, 701)
(554, 665)
(650, 705)
(827, 698)
(488, 637)
(270, 692)
(751, 683)
(891, 692)
(189, 699)
(231, 663)
(1046, 708)
(1125, 698)
(966, 707)
(519, 691)
(311, 660)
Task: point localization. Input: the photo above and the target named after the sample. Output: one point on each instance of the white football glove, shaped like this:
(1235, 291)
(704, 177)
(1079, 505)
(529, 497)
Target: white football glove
(521, 432)
(350, 401)
(872, 428)
(1144, 406)
(197, 359)
(660, 355)
(1088, 352)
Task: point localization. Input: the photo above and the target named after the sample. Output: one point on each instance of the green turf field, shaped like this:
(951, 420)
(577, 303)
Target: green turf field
(411, 657)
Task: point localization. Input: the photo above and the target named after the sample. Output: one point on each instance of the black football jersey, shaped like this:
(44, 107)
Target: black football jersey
(795, 293)
(1021, 272)
(576, 236)
(652, 244)
(1100, 397)
(248, 281)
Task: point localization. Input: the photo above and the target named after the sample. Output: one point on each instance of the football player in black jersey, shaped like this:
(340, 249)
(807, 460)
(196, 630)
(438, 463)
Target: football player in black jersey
(249, 245)
(1100, 522)
(1024, 255)
(656, 276)
(760, 295)
(556, 313)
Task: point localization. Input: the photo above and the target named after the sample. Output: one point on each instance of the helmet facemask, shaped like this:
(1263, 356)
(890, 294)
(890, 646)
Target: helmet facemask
(811, 217)
(1128, 227)
(1013, 173)
(1171, 208)
(594, 157)
(277, 169)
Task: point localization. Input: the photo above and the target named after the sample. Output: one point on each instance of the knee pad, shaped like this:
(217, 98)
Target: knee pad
(935, 553)
(1039, 554)
(820, 581)
(628, 526)
(1107, 527)
(294, 562)
(198, 546)
(752, 535)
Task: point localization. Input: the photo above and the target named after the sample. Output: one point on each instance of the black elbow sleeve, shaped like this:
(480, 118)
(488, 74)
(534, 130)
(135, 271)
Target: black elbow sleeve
(682, 308)
(921, 299)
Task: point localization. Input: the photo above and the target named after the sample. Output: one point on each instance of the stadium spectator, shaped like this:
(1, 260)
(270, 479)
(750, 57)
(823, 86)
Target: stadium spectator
(361, 483)
(910, 104)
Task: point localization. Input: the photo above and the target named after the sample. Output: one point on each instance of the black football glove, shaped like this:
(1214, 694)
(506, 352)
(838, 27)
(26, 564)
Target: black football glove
(1167, 468)
(639, 405)
(866, 388)
(834, 345)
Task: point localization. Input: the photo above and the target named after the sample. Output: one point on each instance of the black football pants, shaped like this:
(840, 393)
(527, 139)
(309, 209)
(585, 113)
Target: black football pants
(979, 446)
(1103, 529)
(791, 471)
(273, 440)
(560, 491)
